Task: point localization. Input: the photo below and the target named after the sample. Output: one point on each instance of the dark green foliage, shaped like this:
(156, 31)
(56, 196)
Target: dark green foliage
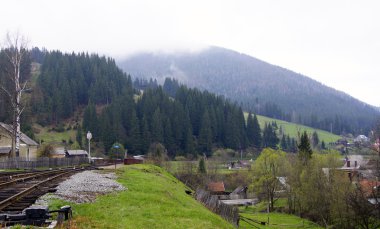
(116, 151)
(69, 80)
(143, 84)
(157, 129)
(78, 136)
(90, 121)
(257, 139)
(186, 121)
(205, 135)
(315, 139)
(260, 87)
(323, 145)
(202, 166)
(270, 138)
(171, 86)
(283, 143)
(304, 148)
(253, 131)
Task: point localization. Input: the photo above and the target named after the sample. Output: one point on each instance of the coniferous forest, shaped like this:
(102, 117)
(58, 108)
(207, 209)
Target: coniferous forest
(115, 109)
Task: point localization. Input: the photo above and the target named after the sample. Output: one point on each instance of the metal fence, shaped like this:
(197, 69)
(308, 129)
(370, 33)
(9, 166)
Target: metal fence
(42, 162)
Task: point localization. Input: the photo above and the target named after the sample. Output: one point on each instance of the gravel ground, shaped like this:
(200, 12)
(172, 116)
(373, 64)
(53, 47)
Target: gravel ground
(84, 187)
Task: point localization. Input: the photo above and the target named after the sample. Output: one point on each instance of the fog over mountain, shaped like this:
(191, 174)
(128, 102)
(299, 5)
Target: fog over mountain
(261, 87)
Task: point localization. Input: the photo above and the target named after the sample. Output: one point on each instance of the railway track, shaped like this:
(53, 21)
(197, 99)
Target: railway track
(23, 189)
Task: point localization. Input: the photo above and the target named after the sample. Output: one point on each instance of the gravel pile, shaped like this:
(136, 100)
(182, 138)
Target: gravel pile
(85, 186)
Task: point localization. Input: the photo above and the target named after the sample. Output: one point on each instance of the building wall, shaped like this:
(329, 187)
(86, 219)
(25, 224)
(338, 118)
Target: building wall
(24, 151)
(6, 141)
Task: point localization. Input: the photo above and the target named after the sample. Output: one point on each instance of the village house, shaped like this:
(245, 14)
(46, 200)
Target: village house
(28, 147)
(357, 167)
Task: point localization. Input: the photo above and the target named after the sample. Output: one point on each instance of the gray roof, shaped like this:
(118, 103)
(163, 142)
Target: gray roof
(5, 150)
(24, 138)
(76, 152)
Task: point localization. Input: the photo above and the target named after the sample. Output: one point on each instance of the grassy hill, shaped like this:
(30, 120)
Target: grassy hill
(154, 199)
(292, 129)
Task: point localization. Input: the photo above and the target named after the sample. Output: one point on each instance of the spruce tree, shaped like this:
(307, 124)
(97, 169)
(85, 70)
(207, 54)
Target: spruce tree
(304, 148)
(202, 166)
(323, 145)
(250, 130)
(315, 139)
(257, 139)
(284, 145)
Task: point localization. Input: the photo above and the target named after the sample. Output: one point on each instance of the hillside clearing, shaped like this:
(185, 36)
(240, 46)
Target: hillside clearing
(292, 129)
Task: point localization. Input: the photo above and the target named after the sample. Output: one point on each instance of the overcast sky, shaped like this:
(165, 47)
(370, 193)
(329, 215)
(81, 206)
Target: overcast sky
(336, 42)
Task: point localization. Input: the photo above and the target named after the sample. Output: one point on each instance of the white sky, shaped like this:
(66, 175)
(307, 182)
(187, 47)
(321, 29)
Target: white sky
(335, 42)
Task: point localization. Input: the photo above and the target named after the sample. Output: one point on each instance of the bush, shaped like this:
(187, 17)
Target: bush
(46, 150)
(157, 153)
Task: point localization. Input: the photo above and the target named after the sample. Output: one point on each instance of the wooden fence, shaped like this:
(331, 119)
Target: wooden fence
(212, 202)
(42, 162)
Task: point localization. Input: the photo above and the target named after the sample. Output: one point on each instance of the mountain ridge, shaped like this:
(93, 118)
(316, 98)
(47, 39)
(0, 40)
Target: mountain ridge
(259, 86)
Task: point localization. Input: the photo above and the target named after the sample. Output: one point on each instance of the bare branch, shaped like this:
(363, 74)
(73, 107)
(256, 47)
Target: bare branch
(6, 91)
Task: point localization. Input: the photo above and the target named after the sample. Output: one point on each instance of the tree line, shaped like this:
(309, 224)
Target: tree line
(137, 113)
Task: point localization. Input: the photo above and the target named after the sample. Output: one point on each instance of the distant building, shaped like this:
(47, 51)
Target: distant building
(361, 139)
(61, 153)
(28, 147)
(138, 159)
(358, 168)
(76, 153)
(216, 188)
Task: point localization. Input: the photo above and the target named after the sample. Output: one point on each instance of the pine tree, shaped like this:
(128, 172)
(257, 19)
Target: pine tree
(202, 166)
(284, 145)
(315, 139)
(257, 139)
(250, 130)
(270, 138)
(323, 145)
(304, 149)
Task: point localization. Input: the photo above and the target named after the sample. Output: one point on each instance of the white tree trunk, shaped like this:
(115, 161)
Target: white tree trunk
(16, 48)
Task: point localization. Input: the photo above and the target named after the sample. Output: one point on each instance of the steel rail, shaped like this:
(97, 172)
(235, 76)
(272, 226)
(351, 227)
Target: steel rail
(39, 174)
(5, 203)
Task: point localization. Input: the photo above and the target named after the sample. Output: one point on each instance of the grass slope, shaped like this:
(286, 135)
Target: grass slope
(48, 136)
(154, 199)
(292, 129)
(276, 220)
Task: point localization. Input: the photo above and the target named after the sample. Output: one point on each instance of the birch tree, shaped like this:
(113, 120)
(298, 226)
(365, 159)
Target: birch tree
(15, 49)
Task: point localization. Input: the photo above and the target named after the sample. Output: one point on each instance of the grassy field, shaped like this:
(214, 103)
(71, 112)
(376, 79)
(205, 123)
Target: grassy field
(154, 199)
(276, 220)
(292, 129)
(44, 134)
